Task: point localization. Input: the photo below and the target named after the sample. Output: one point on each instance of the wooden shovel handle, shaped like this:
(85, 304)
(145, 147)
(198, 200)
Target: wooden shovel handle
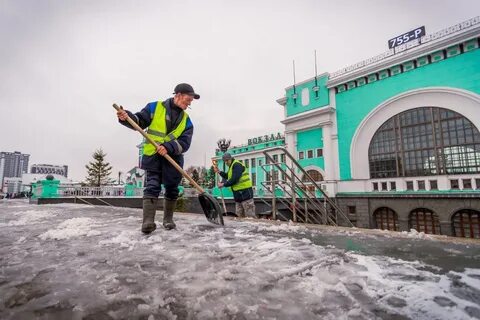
(214, 162)
(166, 156)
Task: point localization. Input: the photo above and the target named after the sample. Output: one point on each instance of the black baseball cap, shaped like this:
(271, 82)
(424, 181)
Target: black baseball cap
(187, 89)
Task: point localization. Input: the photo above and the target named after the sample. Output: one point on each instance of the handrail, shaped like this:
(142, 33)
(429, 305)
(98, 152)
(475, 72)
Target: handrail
(103, 201)
(305, 192)
(316, 208)
(83, 200)
(326, 198)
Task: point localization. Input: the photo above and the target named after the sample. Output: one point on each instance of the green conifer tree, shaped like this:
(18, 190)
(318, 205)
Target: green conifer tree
(98, 171)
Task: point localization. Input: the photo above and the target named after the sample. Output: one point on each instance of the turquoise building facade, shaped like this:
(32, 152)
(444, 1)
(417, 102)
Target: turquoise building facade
(395, 138)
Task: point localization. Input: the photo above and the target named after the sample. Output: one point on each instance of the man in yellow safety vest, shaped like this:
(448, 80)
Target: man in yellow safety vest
(238, 178)
(171, 128)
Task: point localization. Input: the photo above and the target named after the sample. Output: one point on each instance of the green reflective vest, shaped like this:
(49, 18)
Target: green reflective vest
(244, 182)
(158, 130)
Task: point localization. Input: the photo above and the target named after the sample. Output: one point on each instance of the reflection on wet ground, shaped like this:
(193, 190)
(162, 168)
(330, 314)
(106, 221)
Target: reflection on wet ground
(87, 262)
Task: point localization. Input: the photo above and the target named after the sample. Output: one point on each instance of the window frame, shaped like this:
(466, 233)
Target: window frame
(424, 141)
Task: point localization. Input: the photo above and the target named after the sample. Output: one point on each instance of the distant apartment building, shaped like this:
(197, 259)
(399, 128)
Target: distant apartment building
(50, 169)
(13, 165)
(11, 185)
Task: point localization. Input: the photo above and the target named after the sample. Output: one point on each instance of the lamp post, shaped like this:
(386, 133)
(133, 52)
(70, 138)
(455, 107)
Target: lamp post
(223, 144)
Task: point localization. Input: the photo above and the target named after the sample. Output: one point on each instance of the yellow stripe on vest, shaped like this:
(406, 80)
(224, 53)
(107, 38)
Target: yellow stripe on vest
(158, 129)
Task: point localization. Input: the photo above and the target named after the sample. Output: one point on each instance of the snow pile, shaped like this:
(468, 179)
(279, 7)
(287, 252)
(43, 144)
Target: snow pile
(71, 228)
(416, 235)
(282, 227)
(125, 239)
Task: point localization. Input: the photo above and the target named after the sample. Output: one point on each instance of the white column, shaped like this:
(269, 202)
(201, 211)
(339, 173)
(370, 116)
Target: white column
(291, 144)
(290, 141)
(335, 174)
(328, 152)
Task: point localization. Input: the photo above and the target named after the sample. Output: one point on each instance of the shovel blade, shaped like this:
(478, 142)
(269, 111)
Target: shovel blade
(211, 208)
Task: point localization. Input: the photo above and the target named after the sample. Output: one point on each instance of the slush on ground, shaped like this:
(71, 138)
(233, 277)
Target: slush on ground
(72, 261)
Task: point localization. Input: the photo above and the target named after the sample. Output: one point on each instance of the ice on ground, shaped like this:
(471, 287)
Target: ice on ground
(71, 228)
(27, 217)
(87, 262)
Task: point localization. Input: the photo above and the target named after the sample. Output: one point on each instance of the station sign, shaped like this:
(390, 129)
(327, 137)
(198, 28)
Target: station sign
(406, 37)
(265, 138)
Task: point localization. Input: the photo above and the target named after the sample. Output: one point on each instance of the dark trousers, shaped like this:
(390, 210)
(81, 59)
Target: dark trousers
(243, 195)
(168, 176)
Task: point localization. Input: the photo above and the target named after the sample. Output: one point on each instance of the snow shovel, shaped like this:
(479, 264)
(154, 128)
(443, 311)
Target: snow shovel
(225, 212)
(209, 204)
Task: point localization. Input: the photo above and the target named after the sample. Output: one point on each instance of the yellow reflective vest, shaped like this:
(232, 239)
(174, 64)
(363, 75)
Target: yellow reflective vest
(244, 182)
(158, 129)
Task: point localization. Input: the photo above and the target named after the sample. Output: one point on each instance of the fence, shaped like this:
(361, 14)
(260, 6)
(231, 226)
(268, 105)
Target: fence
(54, 190)
(105, 191)
(43, 190)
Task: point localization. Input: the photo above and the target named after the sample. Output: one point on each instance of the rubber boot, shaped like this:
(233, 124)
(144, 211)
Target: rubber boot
(168, 208)
(149, 209)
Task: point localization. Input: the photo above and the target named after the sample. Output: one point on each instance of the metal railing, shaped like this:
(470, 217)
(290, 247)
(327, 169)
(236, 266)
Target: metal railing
(105, 191)
(297, 197)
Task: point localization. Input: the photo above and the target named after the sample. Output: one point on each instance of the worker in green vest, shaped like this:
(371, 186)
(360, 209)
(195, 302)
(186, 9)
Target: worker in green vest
(172, 129)
(238, 179)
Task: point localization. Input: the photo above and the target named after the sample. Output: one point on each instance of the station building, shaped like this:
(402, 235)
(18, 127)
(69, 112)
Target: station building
(394, 139)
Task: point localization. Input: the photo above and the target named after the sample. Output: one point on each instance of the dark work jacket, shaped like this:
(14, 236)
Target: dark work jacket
(238, 195)
(144, 119)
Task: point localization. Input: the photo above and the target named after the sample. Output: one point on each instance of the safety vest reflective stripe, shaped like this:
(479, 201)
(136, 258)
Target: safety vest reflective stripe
(158, 129)
(180, 149)
(244, 182)
(155, 133)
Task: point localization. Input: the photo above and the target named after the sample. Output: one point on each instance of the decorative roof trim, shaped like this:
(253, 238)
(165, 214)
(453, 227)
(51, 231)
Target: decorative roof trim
(429, 43)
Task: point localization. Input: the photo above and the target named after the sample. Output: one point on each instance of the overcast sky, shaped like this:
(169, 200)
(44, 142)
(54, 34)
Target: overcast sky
(63, 64)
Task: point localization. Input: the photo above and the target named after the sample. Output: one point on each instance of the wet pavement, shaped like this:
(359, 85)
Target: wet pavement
(91, 262)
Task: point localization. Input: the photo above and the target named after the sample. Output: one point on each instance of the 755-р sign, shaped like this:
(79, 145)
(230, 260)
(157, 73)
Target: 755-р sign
(406, 37)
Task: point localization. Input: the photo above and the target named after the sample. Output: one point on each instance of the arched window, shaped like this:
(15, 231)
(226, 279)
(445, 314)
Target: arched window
(316, 176)
(386, 219)
(424, 220)
(466, 223)
(425, 141)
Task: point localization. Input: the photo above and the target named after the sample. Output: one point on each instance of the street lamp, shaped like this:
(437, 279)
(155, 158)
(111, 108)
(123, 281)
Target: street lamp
(223, 144)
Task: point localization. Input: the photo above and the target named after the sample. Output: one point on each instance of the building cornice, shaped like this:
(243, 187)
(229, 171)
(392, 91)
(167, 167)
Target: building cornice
(308, 114)
(282, 101)
(445, 38)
